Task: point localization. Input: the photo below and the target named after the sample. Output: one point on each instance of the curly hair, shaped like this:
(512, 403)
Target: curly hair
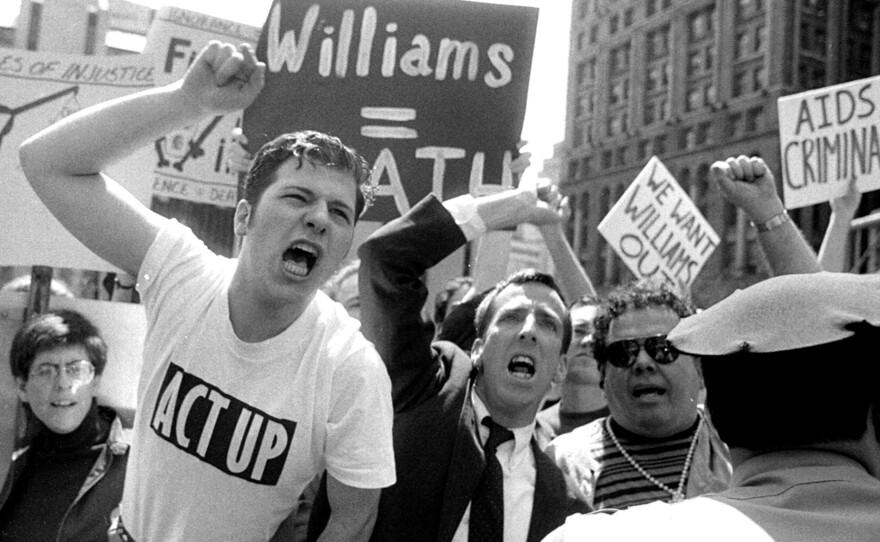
(638, 294)
(316, 148)
(51, 330)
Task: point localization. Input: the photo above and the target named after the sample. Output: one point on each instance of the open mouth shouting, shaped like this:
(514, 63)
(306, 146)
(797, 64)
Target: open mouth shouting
(521, 367)
(300, 258)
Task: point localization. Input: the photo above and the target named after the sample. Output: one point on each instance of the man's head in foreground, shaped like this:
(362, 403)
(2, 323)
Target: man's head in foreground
(791, 362)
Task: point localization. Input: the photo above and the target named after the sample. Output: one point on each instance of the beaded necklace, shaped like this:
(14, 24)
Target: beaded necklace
(678, 494)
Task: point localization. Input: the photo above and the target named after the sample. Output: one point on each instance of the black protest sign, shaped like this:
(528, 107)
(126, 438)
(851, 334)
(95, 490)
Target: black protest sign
(431, 92)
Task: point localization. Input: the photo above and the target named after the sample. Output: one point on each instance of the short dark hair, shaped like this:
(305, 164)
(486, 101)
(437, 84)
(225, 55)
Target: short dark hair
(441, 300)
(634, 295)
(763, 400)
(51, 330)
(486, 308)
(316, 148)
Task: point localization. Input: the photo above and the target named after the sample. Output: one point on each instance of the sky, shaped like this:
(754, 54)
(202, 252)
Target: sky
(544, 124)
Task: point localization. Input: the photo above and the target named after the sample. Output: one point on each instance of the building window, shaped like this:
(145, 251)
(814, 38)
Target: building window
(758, 82)
(657, 77)
(613, 23)
(735, 125)
(811, 73)
(741, 48)
(584, 8)
(644, 149)
(694, 98)
(618, 91)
(754, 117)
(617, 124)
(33, 35)
(815, 7)
(594, 33)
(687, 138)
(606, 160)
(658, 43)
(586, 166)
(618, 59)
(656, 109)
(620, 156)
(700, 25)
(704, 133)
(91, 33)
(627, 18)
(650, 7)
(746, 9)
(660, 145)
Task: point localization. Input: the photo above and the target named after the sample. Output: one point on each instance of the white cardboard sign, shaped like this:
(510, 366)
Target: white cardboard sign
(657, 230)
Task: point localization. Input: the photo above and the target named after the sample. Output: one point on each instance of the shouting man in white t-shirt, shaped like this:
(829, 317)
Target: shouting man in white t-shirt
(253, 381)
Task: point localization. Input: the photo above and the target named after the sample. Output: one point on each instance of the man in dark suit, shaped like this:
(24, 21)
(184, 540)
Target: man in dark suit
(441, 394)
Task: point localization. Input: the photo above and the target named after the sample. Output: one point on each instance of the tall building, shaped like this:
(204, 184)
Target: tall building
(692, 82)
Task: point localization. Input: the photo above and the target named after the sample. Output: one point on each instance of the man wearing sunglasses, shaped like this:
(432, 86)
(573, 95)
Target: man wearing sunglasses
(656, 445)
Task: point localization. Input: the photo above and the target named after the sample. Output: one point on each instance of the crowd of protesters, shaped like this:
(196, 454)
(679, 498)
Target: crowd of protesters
(285, 396)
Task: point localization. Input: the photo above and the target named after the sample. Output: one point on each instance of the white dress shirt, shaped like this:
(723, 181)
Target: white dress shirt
(518, 467)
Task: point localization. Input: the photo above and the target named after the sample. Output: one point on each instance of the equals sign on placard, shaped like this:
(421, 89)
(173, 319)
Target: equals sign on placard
(388, 114)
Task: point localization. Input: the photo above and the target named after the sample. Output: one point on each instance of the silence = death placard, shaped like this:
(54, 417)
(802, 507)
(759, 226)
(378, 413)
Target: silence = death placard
(431, 92)
(657, 230)
(829, 136)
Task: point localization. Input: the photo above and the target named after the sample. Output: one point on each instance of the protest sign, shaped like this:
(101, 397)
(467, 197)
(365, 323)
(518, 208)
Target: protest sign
(40, 88)
(657, 230)
(190, 163)
(431, 92)
(828, 136)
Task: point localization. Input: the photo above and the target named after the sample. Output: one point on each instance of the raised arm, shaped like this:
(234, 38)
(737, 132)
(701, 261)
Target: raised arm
(832, 253)
(393, 261)
(749, 184)
(63, 163)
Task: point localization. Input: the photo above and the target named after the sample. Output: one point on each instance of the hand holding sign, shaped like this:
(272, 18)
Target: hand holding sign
(223, 78)
(748, 183)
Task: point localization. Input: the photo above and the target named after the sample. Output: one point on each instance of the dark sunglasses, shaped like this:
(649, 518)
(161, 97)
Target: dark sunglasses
(622, 354)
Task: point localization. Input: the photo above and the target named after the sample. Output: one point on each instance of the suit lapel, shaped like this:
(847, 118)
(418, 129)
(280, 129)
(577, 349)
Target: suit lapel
(549, 504)
(464, 472)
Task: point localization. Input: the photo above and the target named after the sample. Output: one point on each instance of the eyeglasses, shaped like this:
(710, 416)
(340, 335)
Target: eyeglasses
(622, 354)
(81, 371)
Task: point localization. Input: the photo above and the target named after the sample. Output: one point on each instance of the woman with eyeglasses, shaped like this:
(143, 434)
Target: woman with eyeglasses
(67, 482)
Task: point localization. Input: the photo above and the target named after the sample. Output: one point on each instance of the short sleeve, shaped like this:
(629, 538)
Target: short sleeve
(359, 443)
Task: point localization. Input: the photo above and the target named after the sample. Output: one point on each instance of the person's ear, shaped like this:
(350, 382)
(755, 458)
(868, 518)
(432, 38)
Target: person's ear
(20, 384)
(477, 355)
(242, 217)
(561, 369)
(698, 363)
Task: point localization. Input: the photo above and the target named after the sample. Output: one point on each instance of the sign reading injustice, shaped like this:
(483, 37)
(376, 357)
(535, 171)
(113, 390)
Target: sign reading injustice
(39, 89)
(829, 136)
(431, 92)
(657, 230)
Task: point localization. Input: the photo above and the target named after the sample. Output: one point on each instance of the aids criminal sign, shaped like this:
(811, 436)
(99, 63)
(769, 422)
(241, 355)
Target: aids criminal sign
(431, 92)
(828, 137)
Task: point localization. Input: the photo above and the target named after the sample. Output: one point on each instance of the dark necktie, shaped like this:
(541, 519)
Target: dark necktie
(487, 504)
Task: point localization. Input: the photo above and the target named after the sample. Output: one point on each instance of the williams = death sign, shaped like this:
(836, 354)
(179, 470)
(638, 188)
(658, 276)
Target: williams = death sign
(657, 230)
(829, 136)
(431, 92)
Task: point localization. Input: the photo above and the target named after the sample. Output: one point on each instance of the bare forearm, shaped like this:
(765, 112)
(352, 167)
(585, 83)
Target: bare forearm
(570, 275)
(832, 253)
(787, 251)
(90, 140)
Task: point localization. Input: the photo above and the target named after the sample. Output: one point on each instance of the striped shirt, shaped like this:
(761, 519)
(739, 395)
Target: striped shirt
(620, 485)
